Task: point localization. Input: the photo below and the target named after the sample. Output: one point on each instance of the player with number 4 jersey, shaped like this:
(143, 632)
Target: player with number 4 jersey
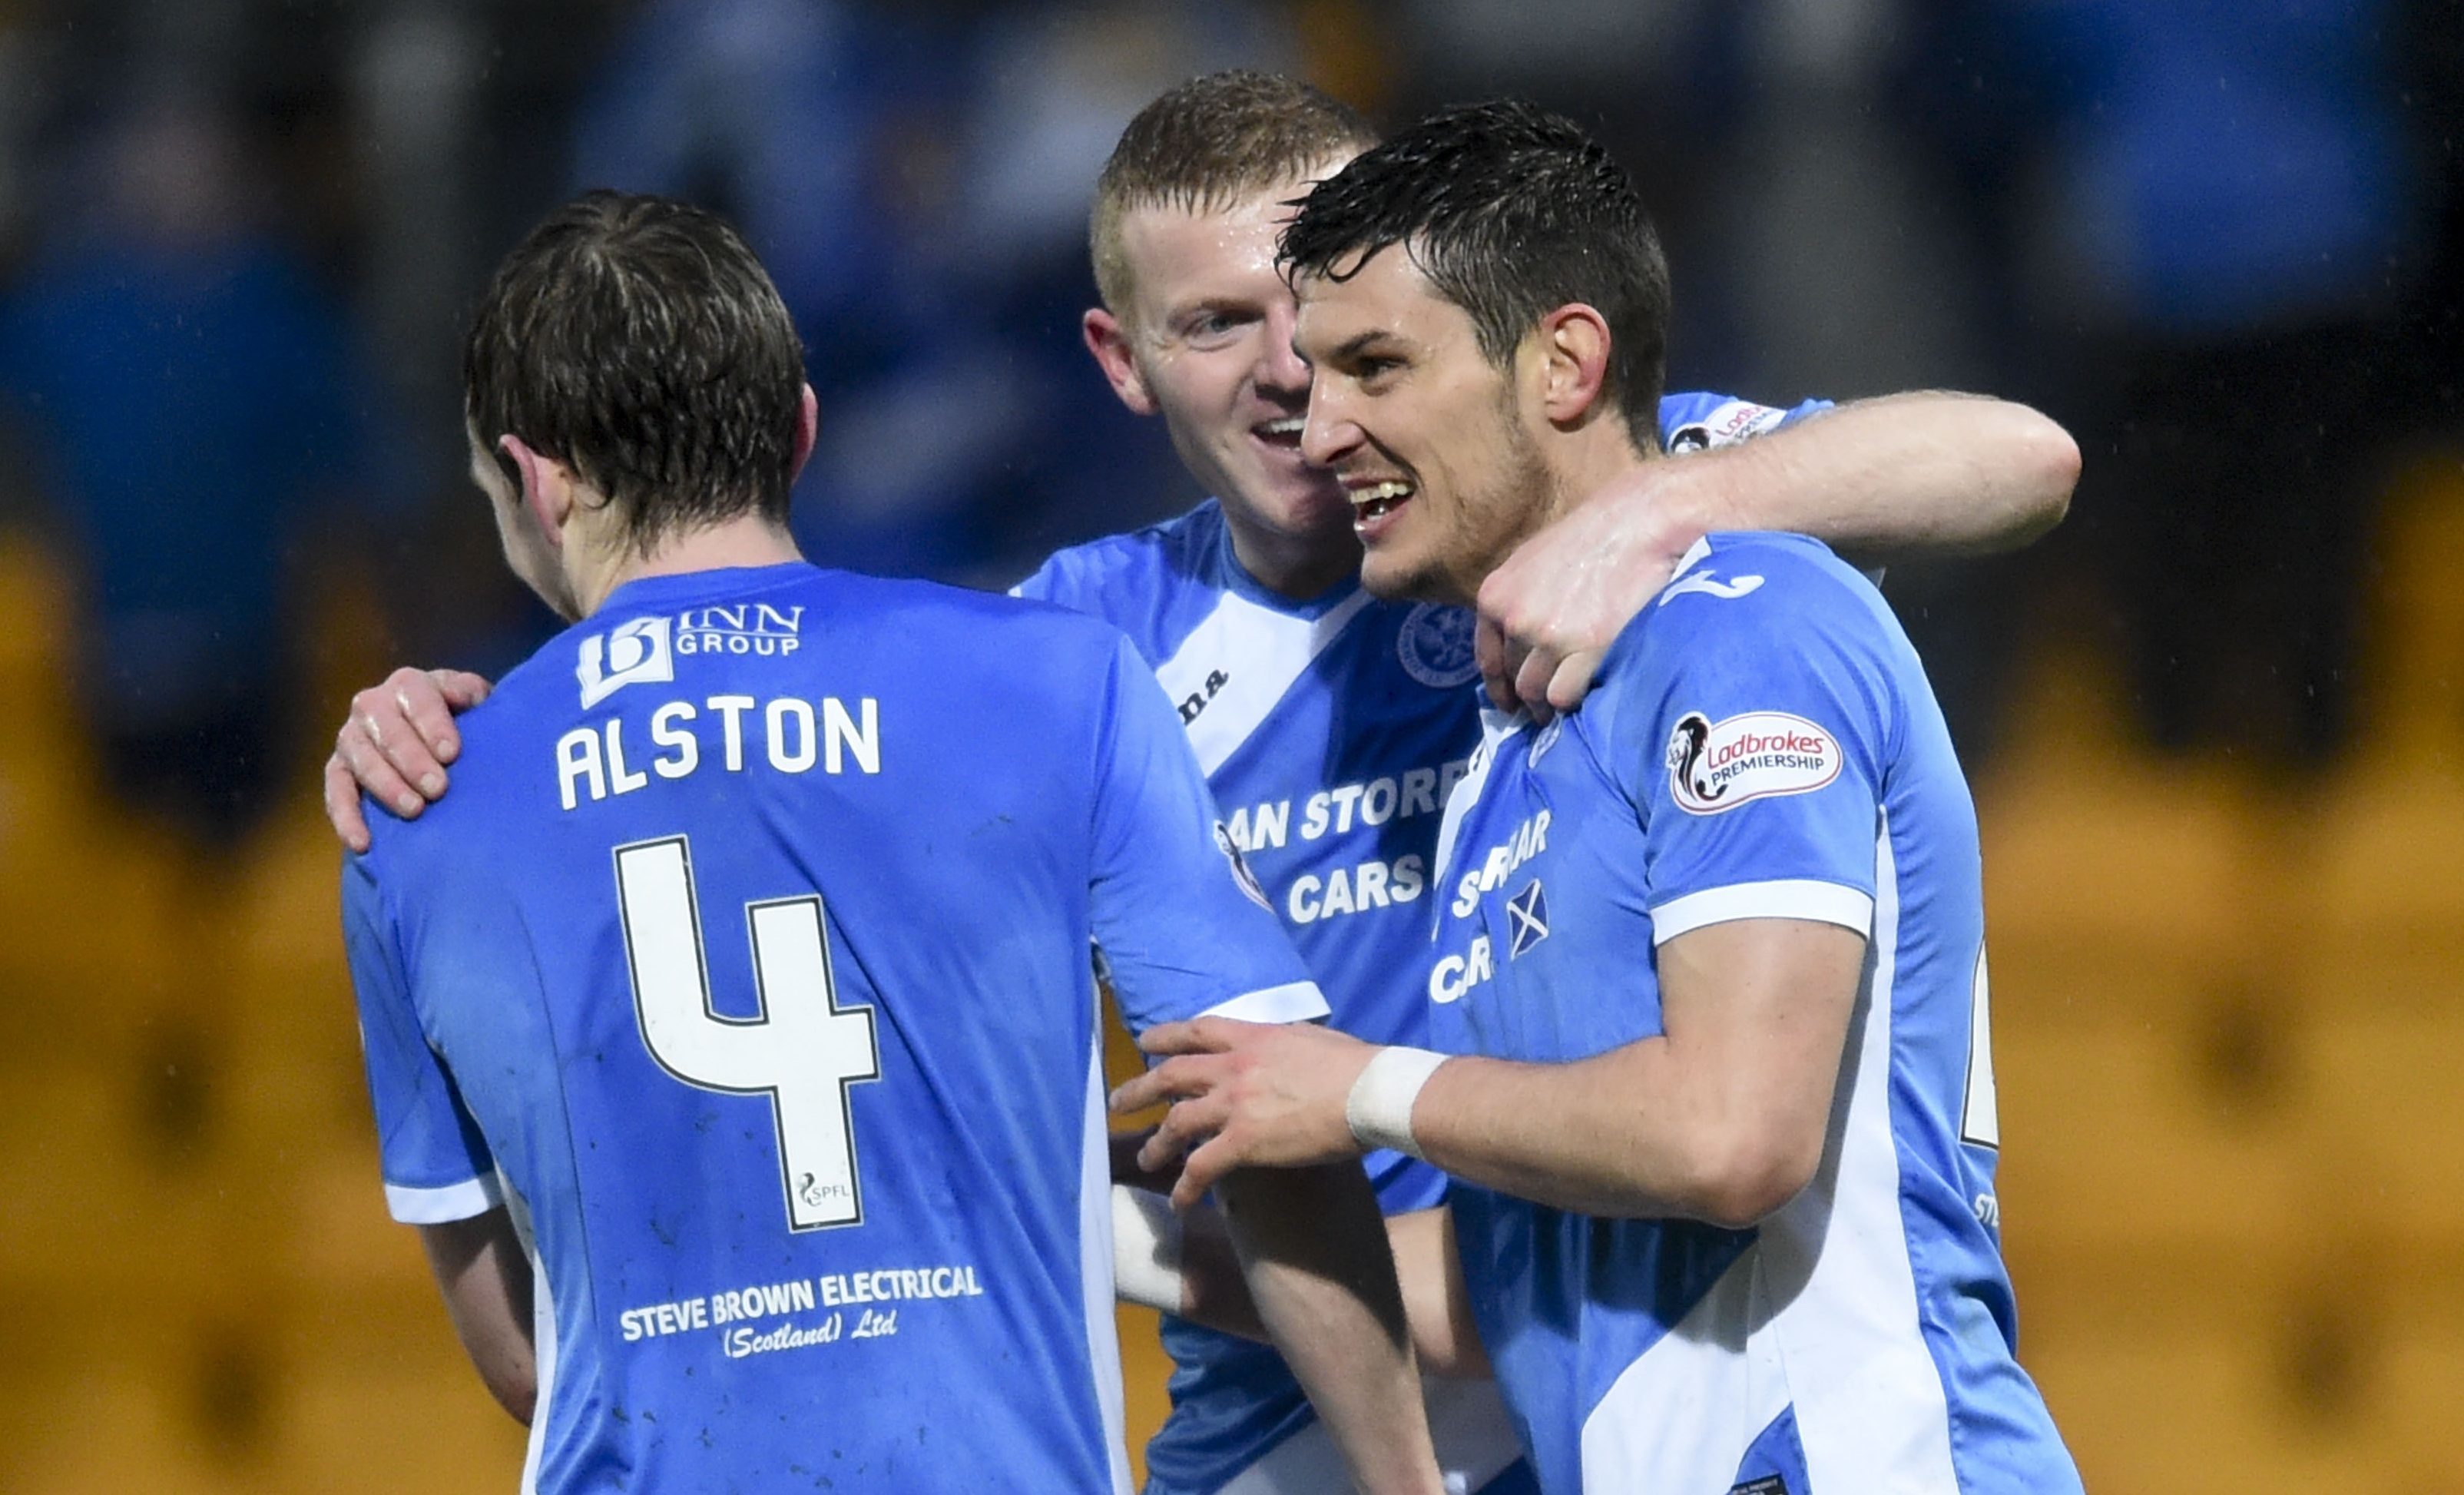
(682, 969)
(737, 1008)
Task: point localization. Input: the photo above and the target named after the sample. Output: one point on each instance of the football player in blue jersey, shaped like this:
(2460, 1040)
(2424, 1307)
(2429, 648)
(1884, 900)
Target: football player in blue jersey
(731, 1032)
(1333, 723)
(1707, 1062)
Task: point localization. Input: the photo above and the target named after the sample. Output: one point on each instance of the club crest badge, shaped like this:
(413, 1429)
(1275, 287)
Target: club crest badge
(1436, 646)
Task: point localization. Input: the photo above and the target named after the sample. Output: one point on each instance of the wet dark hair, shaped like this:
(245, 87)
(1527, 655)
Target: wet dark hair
(1512, 212)
(639, 341)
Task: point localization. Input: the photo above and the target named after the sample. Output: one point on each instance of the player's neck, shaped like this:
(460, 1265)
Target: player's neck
(748, 541)
(1295, 567)
(1587, 462)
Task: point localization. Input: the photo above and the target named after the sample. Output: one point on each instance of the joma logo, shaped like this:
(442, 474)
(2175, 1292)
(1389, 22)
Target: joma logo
(1196, 701)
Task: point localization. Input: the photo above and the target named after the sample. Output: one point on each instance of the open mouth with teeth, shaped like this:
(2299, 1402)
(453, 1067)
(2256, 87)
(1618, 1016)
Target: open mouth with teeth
(1373, 502)
(1284, 433)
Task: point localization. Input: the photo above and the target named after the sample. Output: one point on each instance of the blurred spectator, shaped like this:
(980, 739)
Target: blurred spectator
(188, 391)
(917, 177)
(2229, 220)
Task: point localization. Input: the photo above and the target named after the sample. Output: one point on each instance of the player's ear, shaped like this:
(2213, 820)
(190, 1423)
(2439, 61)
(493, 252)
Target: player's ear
(547, 489)
(808, 426)
(1569, 364)
(1109, 341)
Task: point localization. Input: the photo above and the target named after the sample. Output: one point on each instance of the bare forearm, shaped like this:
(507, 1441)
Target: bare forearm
(1622, 1135)
(486, 1279)
(1205, 1287)
(1890, 479)
(1312, 1250)
(1722, 1118)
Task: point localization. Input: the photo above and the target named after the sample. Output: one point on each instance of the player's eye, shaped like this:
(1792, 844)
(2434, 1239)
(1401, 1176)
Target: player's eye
(1374, 369)
(1214, 326)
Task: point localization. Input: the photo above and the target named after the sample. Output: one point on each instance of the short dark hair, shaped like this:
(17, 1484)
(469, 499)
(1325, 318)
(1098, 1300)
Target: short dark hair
(1202, 145)
(640, 342)
(1512, 212)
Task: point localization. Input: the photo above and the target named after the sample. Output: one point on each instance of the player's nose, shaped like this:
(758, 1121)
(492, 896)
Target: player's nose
(1328, 436)
(1281, 368)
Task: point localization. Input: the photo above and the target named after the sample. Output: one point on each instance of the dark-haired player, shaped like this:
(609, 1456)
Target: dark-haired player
(731, 1029)
(1709, 1060)
(1331, 722)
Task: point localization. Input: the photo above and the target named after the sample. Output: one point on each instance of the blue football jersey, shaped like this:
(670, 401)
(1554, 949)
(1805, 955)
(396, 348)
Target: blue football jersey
(1330, 730)
(1761, 744)
(748, 962)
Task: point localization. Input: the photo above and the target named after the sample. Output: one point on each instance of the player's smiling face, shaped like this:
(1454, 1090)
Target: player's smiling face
(1207, 343)
(1422, 431)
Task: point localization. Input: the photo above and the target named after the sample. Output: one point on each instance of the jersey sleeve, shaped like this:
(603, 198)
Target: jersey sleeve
(437, 1167)
(1752, 743)
(1182, 928)
(1695, 421)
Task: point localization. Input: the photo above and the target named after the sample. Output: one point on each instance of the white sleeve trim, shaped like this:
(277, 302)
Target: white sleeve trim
(1824, 903)
(445, 1205)
(1293, 1001)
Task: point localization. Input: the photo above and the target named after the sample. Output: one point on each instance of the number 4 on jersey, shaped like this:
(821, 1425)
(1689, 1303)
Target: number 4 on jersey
(804, 1051)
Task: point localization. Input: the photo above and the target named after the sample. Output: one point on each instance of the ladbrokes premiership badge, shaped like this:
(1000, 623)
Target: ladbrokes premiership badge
(1718, 765)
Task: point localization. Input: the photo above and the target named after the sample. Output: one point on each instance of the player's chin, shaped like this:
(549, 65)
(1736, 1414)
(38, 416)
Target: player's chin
(1390, 571)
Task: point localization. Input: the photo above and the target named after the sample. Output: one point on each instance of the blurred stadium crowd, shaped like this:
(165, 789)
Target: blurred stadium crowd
(2222, 240)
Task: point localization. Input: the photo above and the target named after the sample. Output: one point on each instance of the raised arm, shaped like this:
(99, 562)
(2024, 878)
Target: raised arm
(1898, 477)
(486, 1278)
(1722, 1118)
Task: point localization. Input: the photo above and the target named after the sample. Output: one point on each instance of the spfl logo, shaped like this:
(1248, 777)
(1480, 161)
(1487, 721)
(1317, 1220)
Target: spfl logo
(631, 652)
(1436, 646)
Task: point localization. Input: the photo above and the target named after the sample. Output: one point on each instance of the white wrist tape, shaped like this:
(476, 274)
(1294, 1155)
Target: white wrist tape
(1379, 1107)
(1146, 1249)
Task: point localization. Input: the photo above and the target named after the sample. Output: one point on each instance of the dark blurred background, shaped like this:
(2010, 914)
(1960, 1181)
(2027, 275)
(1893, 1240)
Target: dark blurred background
(2213, 721)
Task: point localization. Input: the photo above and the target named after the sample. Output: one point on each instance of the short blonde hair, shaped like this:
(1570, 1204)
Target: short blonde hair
(1203, 146)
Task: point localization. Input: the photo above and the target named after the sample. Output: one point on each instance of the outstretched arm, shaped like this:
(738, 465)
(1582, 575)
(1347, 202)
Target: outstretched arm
(1882, 479)
(395, 744)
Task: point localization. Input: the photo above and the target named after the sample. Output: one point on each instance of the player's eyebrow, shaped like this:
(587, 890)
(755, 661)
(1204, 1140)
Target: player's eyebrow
(1359, 342)
(1213, 306)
